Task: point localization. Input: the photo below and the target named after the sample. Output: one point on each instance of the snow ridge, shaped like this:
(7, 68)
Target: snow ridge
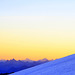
(63, 66)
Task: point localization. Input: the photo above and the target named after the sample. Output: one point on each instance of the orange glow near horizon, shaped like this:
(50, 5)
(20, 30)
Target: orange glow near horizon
(36, 37)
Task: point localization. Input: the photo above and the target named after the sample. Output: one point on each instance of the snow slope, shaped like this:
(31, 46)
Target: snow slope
(63, 66)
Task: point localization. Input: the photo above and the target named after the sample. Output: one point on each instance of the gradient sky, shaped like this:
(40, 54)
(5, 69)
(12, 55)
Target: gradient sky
(37, 29)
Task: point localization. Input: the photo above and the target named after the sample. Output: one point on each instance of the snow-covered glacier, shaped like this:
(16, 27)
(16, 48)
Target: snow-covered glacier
(62, 66)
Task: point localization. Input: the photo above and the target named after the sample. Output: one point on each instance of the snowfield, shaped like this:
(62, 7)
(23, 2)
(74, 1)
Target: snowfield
(63, 66)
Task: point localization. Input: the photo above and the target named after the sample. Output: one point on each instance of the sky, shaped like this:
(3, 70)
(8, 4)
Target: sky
(37, 29)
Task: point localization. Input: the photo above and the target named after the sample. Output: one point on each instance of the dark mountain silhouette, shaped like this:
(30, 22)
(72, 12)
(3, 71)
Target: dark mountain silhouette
(10, 66)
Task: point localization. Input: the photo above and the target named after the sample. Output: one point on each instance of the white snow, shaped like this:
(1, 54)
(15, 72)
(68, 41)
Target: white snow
(63, 66)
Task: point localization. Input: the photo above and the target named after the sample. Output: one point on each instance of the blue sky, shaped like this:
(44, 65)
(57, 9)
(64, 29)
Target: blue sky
(37, 26)
(37, 8)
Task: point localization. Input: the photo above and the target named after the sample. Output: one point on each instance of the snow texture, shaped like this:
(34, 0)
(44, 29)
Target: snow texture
(63, 66)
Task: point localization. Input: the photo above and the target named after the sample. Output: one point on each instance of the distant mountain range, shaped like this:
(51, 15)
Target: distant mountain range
(10, 66)
(62, 66)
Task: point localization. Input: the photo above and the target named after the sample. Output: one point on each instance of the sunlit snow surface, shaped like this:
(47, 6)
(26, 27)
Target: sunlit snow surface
(63, 66)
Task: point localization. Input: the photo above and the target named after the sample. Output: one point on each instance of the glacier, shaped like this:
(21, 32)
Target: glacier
(62, 66)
